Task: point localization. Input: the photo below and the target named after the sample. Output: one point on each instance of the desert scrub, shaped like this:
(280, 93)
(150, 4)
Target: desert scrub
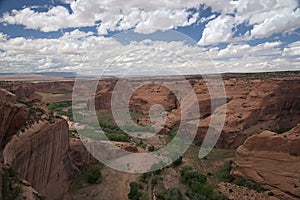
(224, 173)
(10, 189)
(198, 186)
(92, 175)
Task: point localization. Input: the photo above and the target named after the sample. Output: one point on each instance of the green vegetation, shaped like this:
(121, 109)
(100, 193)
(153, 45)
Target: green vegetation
(120, 137)
(177, 162)
(95, 135)
(151, 148)
(35, 114)
(282, 130)
(198, 186)
(173, 194)
(137, 128)
(90, 133)
(134, 193)
(224, 173)
(251, 185)
(92, 175)
(172, 134)
(188, 175)
(9, 178)
(29, 104)
(141, 144)
(62, 92)
(110, 127)
(62, 108)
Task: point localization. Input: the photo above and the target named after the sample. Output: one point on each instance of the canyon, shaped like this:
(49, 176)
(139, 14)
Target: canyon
(261, 125)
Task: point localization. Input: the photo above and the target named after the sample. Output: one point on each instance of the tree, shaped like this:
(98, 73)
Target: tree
(134, 193)
(94, 174)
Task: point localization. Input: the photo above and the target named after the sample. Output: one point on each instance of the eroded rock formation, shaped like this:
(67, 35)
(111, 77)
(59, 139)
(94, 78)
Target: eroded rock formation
(38, 150)
(252, 105)
(40, 156)
(272, 160)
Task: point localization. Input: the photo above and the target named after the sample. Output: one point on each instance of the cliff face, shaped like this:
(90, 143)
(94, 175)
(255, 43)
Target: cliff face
(257, 105)
(272, 160)
(40, 152)
(12, 116)
(40, 156)
(252, 105)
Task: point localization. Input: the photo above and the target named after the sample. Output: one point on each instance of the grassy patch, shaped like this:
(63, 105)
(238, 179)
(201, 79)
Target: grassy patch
(212, 165)
(90, 133)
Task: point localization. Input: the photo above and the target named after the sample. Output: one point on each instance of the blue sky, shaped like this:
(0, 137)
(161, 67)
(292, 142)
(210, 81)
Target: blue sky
(238, 36)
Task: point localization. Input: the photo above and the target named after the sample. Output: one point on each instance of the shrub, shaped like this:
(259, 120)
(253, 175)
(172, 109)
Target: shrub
(173, 194)
(188, 175)
(282, 130)
(270, 193)
(94, 174)
(178, 161)
(245, 183)
(144, 177)
(120, 137)
(172, 134)
(9, 189)
(134, 193)
(224, 173)
(137, 128)
(151, 148)
(198, 185)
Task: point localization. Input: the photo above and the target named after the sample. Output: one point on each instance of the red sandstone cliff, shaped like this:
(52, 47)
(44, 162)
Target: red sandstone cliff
(40, 156)
(252, 105)
(40, 152)
(272, 160)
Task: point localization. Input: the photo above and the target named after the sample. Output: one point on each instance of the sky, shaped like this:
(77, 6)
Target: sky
(149, 37)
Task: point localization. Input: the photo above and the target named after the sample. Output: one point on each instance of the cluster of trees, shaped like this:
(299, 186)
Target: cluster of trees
(136, 193)
(62, 108)
(198, 187)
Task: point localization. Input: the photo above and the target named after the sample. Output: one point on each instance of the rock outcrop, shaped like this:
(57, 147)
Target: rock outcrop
(40, 156)
(13, 116)
(37, 149)
(235, 192)
(272, 160)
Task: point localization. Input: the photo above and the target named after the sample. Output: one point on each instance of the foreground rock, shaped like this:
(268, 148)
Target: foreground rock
(272, 160)
(40, 156)
(36, 145)
(12, 117)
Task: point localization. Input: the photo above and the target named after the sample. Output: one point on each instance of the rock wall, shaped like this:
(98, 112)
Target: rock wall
(252, 105)
(12, 117)
(40, 152)
(40, 156)
(273, 160)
